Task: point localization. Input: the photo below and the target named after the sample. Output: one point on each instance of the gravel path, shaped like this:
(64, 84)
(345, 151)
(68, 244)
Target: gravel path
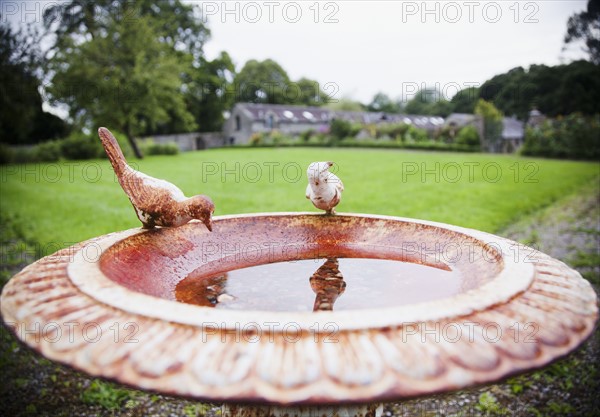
(568, 230)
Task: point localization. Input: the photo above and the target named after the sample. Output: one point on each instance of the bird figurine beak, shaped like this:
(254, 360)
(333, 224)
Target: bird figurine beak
(208, 224)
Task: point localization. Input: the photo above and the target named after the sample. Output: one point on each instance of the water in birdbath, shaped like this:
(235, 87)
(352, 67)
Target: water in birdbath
(321, 284)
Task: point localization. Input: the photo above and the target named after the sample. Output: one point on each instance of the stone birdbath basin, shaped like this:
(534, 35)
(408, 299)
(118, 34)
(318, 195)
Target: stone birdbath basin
(295, 314)
(299, 313)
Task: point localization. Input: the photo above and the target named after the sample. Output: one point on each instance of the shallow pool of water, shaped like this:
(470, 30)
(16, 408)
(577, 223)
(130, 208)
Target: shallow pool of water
(286, 286)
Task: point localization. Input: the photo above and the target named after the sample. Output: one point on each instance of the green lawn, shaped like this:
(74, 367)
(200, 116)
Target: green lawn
(57, 204)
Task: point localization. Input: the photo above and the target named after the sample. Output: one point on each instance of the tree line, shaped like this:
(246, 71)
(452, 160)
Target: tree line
(139, 66)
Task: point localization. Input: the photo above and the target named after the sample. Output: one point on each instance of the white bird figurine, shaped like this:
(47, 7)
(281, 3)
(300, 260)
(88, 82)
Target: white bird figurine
(324, 188)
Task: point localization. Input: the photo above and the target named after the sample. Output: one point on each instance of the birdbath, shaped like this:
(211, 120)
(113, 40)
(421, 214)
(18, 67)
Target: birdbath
(301, 314)
(295, 314)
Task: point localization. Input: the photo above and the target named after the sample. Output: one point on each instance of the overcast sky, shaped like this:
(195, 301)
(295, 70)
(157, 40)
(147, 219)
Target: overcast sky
(357, 48)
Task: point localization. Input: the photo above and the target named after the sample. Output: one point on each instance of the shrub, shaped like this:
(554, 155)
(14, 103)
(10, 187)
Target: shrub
(340, 129)
(415, 134)
(355, 129)
(372, 130)
(76, 146)
(320, 138)
(256, 139)
(580, 135)
(169, 148)
(445, 134)
(6, 154)
(23, 155)
(468, 135)
(574, 136)
(81, 146)
(307, 134)
(423, 145)
(272, 138)
(324, 141)
(47, 151)
(396, 131)
(276, 137)
(539, 140)
(43, 152)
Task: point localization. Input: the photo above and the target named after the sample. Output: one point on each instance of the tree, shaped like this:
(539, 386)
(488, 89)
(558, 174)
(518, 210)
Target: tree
(576, 90)
(310, 93)
(345, 104)
(586, 26)
(383, 103)
(574, 136)
(558, 90)
(464, 101)
(420, 103)
(340, 129)
(468, 136)
(492, 124)
(209, 92)
(262, 82)
(175, 25)
(428, 101)
(22, 119)
(441, 107)
(124, 77)
(82, 19)
(267, 82)
(18, 88)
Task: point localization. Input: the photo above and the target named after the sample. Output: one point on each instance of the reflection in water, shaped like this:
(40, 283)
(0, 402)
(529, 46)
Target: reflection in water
(206, 292)
(328, 283)
(283, 286)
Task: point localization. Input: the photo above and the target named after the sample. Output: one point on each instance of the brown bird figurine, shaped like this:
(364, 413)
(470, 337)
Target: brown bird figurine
(156, 202)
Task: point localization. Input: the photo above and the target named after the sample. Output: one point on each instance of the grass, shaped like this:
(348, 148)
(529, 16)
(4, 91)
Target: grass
(55, 211)
(489, 405)
(105, 394)
(58, 204)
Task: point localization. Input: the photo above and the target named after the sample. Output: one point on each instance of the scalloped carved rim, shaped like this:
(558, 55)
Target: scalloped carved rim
(544, 319)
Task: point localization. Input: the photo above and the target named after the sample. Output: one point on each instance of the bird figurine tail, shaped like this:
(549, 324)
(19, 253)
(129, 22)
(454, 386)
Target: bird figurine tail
(113, 150)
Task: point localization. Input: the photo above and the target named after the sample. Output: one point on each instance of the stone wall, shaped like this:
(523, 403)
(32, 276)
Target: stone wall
(191, 141)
